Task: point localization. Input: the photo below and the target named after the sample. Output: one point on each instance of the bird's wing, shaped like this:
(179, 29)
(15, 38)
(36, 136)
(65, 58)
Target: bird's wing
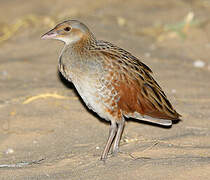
(138, 91)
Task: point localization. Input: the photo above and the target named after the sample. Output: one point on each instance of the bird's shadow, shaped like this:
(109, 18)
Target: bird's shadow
(70, 85)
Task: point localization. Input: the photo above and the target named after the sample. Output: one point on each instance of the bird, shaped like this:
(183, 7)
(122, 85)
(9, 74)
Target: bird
(111, 81)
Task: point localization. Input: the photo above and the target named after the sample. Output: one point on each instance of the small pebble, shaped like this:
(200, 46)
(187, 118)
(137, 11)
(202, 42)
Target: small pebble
(35, 142)
(4, 73)
(147, 55)
(199, 64)
(121, 21)
(173, 90)
(9, 151)
(97, 147)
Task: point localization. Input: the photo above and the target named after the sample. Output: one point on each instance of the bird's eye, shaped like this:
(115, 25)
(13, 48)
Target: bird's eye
(67, 28)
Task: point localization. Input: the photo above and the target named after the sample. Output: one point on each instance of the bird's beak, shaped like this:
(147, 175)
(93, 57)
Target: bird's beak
(50, 34)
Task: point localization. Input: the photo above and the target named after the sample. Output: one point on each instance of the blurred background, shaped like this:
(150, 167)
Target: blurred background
(45, 131)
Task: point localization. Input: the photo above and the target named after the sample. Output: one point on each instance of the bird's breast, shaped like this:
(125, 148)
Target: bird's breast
(73, 65)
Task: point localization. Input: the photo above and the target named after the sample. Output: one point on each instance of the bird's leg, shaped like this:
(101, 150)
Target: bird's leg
(118, 136)
(112, 133)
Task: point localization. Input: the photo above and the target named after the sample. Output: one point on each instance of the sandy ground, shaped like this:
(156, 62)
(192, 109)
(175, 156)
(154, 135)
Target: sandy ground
(45, 130)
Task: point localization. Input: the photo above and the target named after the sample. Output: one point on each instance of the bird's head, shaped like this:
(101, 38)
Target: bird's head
(69, 32)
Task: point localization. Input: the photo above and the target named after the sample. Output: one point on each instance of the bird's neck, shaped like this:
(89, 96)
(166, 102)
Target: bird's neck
(77, 53)
(84, 43)
(81, 47)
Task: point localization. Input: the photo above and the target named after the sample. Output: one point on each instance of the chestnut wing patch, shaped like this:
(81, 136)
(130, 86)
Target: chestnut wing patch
(137, 89)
